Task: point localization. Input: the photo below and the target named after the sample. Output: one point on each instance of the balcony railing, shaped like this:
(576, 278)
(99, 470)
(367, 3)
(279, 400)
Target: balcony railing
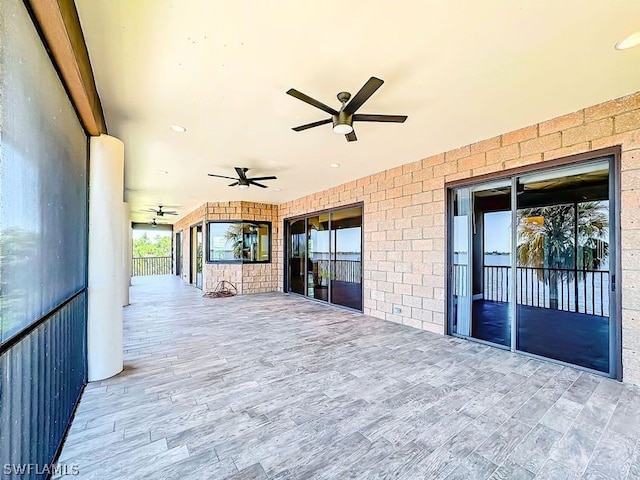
(571, 290)
(142, 266)
(341, 270)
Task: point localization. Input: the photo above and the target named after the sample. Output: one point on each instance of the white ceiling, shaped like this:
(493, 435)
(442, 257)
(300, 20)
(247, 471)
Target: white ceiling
(462, 70)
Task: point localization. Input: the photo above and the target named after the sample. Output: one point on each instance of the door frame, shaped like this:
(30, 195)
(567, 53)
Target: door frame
(192, 253)
(615, 316)
(178, 250)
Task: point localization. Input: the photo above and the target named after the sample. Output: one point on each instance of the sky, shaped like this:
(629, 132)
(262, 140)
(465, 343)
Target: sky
(497, 232)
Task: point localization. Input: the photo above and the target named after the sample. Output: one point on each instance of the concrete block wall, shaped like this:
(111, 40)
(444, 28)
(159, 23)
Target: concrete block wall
(404, 217)
(404, 214)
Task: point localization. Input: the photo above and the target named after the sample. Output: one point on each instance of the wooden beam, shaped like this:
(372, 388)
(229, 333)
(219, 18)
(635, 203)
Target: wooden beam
(60, 27)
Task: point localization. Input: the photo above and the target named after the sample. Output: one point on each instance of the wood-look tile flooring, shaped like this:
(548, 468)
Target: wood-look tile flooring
(275, 386)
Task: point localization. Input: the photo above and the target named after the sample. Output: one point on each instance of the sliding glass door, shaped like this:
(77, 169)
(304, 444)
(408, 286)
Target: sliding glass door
(346, 257)
(531, 261)
(563, 255)
(324, 256)
(481, 262)
(297, 256)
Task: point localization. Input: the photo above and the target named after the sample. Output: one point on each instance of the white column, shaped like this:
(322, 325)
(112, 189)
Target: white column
(126, 253)
(104, 329)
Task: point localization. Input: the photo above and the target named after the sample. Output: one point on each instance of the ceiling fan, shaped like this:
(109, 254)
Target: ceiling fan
(243, 181)
(155, 223)
(161, 213)
(343, 119)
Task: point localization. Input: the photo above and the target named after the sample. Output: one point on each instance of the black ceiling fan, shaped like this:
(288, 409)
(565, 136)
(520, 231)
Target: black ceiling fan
(154, 223)
(343, 119)
(161, 213)
(243, 181)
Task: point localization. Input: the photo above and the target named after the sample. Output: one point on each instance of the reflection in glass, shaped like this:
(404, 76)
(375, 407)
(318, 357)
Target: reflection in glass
(481, 270)
(461, 275)
(563, 265)
(491, 272)
(318, 259)
(346, 257)
(239, 241)
(324, 253)
(297, 256)
(196, 256)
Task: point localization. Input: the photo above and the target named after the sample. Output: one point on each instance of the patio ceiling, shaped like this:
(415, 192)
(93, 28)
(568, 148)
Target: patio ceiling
(462, 71)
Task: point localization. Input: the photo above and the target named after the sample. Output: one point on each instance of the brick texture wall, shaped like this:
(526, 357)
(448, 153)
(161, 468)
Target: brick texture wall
(248, 278)
(404, 214)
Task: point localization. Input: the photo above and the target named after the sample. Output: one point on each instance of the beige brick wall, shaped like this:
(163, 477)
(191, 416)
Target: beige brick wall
(248, 278)
(404, 214)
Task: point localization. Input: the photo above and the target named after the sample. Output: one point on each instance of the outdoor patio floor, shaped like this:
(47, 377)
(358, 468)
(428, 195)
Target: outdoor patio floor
(276, 386)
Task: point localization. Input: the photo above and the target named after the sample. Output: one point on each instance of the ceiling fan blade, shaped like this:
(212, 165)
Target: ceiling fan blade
(311, 125)
(219, 176)
(233, 184)
(379, 118)
(170, 212)
(351, 137)
(263, 178)
(363, 95)
(257, 184)
(241, 172)
(311, 101)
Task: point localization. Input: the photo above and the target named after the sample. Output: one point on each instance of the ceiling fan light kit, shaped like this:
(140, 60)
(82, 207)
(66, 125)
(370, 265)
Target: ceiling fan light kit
(343, 119)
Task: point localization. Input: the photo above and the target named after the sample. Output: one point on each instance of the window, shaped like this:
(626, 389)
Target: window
(239, 241)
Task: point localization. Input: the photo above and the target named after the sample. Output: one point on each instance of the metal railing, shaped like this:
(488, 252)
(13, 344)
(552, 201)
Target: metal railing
(570, 290)
(341, 270)
(142, 266)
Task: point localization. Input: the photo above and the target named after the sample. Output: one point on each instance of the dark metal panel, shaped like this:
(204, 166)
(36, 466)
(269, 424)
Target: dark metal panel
(41, 378)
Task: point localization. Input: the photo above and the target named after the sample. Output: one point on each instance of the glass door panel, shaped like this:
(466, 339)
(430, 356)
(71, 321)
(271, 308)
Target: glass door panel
(491, 263)
(461, 263)
(178, 251)
(318, 257)
(196, 256)
(346, 258)
(562, 256)
(297, 256)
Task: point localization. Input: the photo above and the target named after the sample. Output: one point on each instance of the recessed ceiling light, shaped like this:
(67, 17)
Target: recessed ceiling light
(277, 190)
(164, 172)
(631, 41)
(178, 128)
(334, 165)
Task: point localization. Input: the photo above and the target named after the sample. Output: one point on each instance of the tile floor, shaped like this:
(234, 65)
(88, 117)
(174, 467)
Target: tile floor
(272, 386)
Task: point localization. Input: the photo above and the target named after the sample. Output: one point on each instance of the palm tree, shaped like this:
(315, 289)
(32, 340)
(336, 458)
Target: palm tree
(547, 241)
(234, 235)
